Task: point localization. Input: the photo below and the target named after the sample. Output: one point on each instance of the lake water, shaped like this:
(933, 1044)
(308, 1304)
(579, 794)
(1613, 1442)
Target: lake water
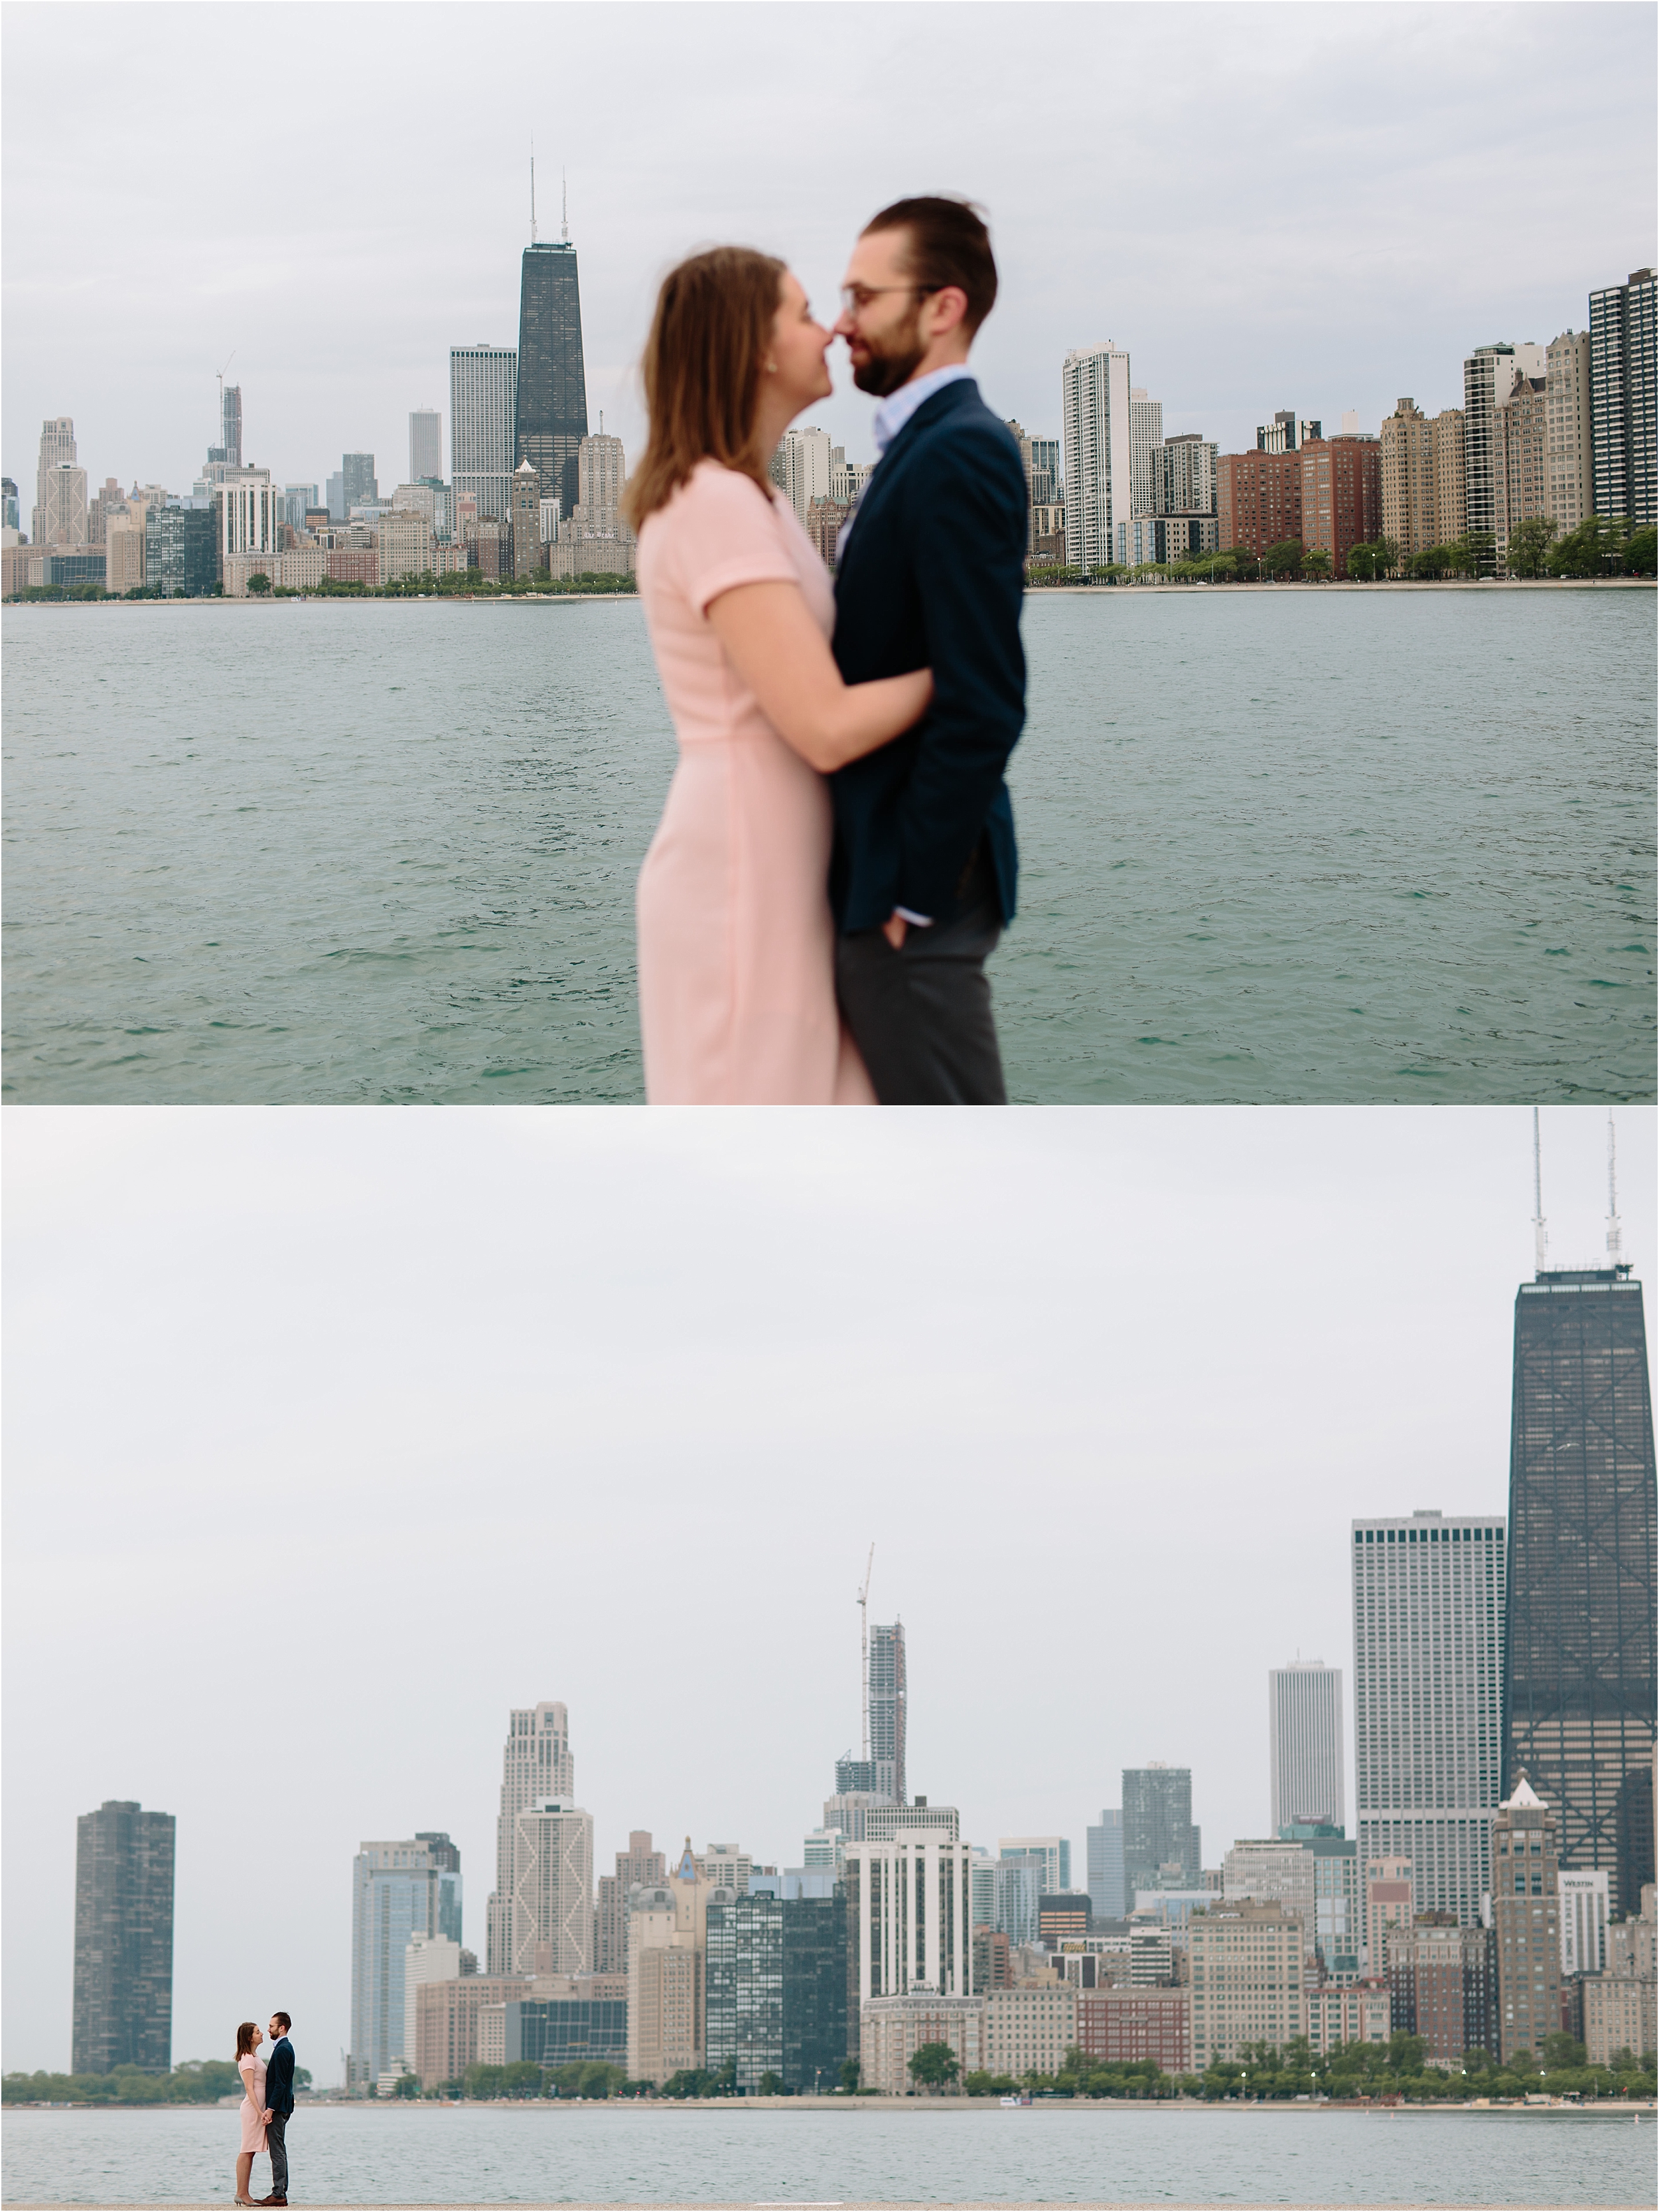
(864, 2155)
(1281, 846)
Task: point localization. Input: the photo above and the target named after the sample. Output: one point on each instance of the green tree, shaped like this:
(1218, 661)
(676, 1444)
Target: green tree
(484, 2081)
(770, 2084)
(1561, 2050)
(1528, 542)
(1406, 2053)
(1317, 563)
(521, 2079)
(850, 2076)
(934, 2066)
(1284, 559)
(409, 2085)
(1642, 551)
(258, 583)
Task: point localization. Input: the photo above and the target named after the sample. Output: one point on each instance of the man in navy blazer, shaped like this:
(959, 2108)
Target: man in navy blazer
(279, 2103)
(930, 574)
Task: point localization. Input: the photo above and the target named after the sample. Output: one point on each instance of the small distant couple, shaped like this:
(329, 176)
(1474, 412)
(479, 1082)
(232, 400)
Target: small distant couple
(836, 860)
(267, 2106)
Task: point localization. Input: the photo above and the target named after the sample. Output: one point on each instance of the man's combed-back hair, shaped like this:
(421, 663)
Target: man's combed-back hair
(711, 332)
(287, 2022)
(949, 244)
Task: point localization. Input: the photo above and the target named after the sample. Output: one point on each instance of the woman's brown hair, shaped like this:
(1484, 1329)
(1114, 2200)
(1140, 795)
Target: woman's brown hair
(710, 333)
(244, 2035)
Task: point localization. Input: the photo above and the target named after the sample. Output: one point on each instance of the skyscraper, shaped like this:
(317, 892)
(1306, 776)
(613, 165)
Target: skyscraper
(1488, 373)
(909, 1915)
(401, 1887)
(230, 425)
(1428, 1633)
(122, 1939)
(1526, 1910)
(1622, 379)
(358, 480)
(550, 415)
(1304, 1743)
(536, 1766)
(636, 1867)
(1095, 413)
(1105, 1848)
(426, 444)
(887, 1705)
(57, 452)
(1161, 1849)
(1145, 453)
(552, 1889)
(483, 397)
(1578, 1649)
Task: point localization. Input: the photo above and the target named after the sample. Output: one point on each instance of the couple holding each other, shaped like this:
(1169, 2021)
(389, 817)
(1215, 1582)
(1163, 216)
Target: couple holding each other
(267, 2106)
(836, 860)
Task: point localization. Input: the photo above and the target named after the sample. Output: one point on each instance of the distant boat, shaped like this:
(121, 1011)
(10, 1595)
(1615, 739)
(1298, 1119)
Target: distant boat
(1012, 2103)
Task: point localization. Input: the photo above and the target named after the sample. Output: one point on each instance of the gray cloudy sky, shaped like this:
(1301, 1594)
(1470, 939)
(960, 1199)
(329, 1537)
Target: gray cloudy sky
(332, 1435)
(1310, 207)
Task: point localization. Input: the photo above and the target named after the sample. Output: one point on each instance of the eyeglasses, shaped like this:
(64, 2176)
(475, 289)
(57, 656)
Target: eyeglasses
(854, 298)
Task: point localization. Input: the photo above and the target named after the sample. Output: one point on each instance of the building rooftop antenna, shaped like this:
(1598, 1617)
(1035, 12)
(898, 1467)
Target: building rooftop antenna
(864, 1655)
(1615, 1234)
(532, 192)
(1540, 1240)
(564, 209)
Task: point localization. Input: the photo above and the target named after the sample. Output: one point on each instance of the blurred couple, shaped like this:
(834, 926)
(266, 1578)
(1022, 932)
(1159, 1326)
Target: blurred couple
(836, 861)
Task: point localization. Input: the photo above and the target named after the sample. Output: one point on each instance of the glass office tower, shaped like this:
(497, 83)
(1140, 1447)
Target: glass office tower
(123, 1862)
(1579, 1673)
(552, 401)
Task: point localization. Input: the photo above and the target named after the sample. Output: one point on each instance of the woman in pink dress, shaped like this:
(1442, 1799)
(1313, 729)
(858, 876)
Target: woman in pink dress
(736, 945)
(252, 2111)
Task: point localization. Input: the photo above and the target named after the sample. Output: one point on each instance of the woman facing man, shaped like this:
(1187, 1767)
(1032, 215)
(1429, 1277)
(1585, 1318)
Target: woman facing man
(837, 858)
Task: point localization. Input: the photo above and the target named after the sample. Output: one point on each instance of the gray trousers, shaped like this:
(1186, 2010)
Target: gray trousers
(277, 2145)
(921, 1015)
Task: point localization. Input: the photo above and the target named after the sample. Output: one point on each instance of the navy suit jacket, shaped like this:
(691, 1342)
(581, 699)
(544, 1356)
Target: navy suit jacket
(934, 578)
(279, 2076)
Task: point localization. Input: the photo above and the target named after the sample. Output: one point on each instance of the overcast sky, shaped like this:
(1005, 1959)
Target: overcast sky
(1317, 208)
(333, 1435)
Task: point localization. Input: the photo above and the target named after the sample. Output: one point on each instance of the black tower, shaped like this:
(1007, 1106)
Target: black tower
(122, 1939)
(552, 418)
(1578, 1645)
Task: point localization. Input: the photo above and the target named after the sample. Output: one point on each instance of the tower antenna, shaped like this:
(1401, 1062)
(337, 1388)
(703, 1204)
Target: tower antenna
(864, 1655)
(564, 209)
(1540, 1240)
(1615, 1234)
(532, 192)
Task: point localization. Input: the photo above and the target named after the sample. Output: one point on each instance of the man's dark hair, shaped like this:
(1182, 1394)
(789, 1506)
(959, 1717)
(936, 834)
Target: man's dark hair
(949, 244)
(287, 2022)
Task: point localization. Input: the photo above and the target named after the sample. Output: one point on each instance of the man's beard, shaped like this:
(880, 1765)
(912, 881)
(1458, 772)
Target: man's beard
(886, 370)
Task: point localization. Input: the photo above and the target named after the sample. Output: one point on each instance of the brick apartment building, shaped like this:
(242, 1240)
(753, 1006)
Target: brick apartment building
(1342, 496)
(354, 564)
(1443, 1982)
(1258, 500)
(1117, 2026)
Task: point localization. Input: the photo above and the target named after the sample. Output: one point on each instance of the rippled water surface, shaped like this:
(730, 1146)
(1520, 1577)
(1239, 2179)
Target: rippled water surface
(1276, 846)
(864, 2155)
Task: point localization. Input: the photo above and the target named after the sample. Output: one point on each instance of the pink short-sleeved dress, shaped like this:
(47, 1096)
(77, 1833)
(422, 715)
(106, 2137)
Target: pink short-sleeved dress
(736, 944)
(252, 2071)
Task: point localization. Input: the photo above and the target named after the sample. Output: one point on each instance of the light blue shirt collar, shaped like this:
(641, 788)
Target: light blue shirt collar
(895, 411)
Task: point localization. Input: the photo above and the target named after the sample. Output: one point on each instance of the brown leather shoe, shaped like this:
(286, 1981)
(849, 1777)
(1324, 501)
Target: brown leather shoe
(271, 2200)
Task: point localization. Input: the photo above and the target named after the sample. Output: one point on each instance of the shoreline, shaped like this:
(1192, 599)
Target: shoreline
(1619, 2108)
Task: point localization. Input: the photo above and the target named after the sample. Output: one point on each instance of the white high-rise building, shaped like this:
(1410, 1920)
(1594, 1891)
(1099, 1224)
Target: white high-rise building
(57, 452)
(1051, 1855)
(1584, 1915)
(888, 1697)
(1428, 1673)
(483, 399)
(536, 1766)
(801, 467)
(552, 1890)
(426, 444)
(251, 513)
(1095, 432)
(1304, 1743)
(911, 1901)
(1146, 453)
(63, 519)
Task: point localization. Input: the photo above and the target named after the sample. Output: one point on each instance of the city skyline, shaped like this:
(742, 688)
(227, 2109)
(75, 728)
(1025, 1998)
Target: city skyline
(1325, 317)
(1381, 1193)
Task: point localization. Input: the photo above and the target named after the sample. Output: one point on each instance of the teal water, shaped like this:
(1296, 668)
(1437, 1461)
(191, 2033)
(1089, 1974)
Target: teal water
(1278, 847)
(864, 2155)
